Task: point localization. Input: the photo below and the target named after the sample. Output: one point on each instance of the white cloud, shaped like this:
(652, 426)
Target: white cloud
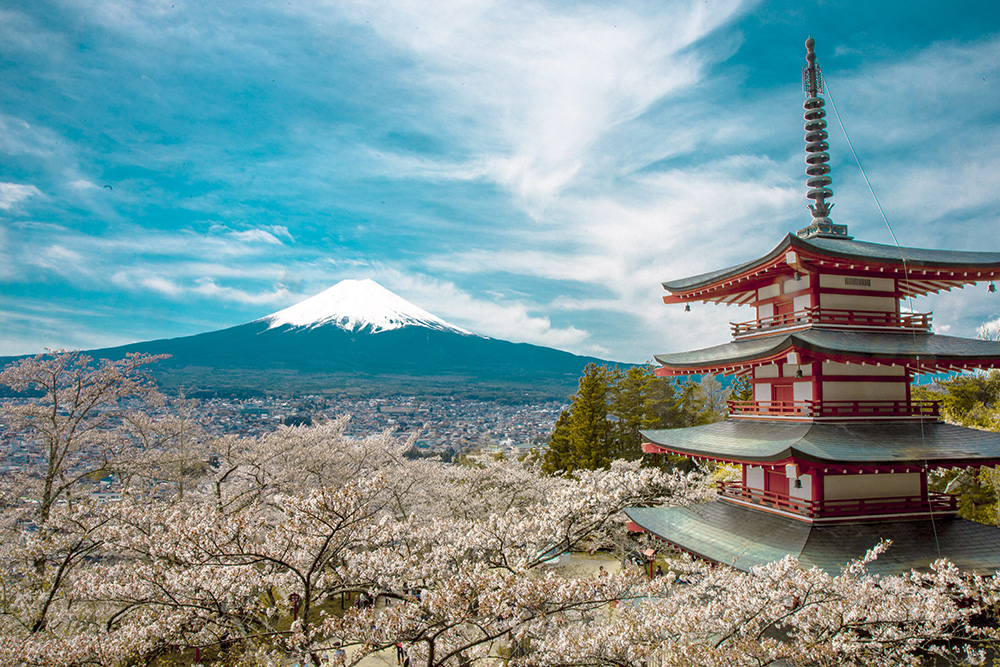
(515, 321)
(138, 279)
(544, 81)
(12, 194)
(276, 296)
(18, 137)
(255, 236)
(990, 330)
(83, 185)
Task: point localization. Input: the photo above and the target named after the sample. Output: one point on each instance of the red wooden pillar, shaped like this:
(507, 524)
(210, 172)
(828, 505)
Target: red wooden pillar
(817, 488)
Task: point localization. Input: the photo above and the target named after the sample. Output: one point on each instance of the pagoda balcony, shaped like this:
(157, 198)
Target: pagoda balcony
(851, 508)
(835, 409)
(846, 319)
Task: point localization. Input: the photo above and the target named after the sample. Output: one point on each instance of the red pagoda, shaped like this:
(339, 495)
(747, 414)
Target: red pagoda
(834, 452)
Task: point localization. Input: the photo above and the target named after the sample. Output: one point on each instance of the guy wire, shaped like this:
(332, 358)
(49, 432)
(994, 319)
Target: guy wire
(906, 276)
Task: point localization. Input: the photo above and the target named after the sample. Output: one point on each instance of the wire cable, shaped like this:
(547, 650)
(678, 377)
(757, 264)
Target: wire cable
(906, 276)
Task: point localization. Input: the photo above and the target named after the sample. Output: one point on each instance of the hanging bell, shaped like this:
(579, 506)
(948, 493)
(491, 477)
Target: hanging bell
(992, 288)
(687, 307)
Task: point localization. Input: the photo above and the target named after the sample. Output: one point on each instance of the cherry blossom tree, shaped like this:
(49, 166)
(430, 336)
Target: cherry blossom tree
(76, 419)
(249, 564)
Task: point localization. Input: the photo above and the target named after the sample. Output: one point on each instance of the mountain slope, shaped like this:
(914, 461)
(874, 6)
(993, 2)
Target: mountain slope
(359, 339)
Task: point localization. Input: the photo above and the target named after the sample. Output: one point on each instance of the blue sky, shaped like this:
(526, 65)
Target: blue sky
(529, 171)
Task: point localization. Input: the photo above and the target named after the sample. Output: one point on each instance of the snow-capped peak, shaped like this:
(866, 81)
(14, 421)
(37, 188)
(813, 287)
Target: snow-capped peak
(353, 305)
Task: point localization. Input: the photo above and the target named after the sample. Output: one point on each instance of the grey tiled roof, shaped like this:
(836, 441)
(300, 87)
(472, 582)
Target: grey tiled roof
(743, 537)
(867, 345)
(862, 443)
(916, 258)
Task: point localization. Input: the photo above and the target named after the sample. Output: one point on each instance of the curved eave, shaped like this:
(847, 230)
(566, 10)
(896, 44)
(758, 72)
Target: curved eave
(743, 537)
(827, 445)
(921, 352)
(920, 270)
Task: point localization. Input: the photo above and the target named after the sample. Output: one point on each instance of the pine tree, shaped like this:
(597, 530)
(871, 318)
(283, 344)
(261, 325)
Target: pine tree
(660, 408)
(559, 455)
(588, 424)
(628, 410)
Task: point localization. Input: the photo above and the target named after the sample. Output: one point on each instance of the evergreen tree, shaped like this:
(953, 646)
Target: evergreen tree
(612, 406)
(559, 455)
(588, 424)
(628, 411)
(742, 390)
(660, 408)
(973, 400)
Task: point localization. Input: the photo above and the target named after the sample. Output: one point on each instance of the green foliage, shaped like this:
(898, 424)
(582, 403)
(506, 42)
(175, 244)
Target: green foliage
(612, 406)
(973, 400)
(742, 389)
(978, 489)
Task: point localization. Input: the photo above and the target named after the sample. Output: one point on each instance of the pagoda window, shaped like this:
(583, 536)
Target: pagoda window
(858, 302)
(857, 284)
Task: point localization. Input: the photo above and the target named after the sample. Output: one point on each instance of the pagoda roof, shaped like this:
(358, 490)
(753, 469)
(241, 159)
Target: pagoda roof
(829, 444)
(743, 538)
(959, 267)
(924, 352)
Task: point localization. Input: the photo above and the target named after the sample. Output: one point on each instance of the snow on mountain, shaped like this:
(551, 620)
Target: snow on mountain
(356, 305)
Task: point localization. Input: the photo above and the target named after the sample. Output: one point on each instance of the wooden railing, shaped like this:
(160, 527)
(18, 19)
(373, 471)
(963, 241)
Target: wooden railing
(938, 503)
(838, 318)
(834, 409)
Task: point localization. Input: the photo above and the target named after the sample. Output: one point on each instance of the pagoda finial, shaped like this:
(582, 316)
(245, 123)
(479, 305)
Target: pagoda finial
(817, 159)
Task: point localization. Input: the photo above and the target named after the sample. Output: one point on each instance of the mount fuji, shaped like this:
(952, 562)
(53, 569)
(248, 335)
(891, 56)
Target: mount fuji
(358, 306)
(358, 338)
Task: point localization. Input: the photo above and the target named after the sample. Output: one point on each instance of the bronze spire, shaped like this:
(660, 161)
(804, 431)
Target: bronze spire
(817, 158)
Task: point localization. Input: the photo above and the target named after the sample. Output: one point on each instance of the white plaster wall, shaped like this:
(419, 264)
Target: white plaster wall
(755, 477)
(841, 487)
(802, 302)
(837, 368)
(788, 370)
(864, 391)
(805, 493)
(792, 286)
(769, 291)
(765, 310)
(802, 391)
(838, 282)
(769, 371)
(879, 304)
(762, 392)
